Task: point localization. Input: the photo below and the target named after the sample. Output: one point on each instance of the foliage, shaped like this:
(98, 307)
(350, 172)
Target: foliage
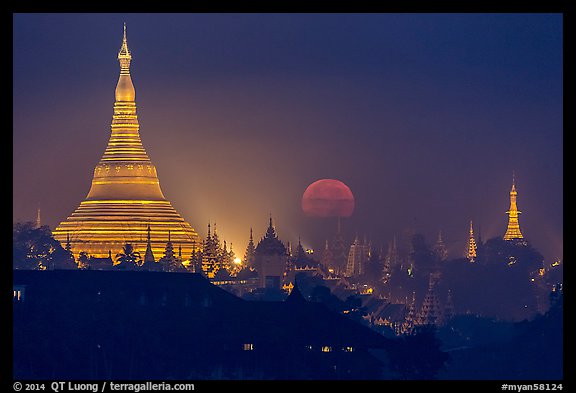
(518, 254)
(171, 264)
(128, 258)
(418, 356)
(83, 260)
(36, 249)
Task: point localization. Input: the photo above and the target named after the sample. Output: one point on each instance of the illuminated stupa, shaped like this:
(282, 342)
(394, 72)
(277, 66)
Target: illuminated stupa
(513, 230)
(125, 203)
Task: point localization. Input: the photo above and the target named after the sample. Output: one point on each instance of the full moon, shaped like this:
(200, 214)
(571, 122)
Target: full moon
(328, 198)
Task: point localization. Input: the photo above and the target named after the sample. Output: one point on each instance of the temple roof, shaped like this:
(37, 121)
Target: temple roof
(270, 244)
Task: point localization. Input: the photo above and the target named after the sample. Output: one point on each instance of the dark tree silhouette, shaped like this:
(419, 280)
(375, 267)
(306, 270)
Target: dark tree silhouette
(35, 249)
(83, 260)
(506, 268)
(128, 258)
(418, 355)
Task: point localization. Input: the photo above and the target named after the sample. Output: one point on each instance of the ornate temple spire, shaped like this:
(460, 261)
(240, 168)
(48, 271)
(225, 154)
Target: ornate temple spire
(149, 255)
(356, 259)
(216, 239)
(250, 250)
(410, 319)
(339, 250)
(38, 222)
(326, 258)
(68, 247)
(513, 230)
(125, 89)
(432, 311)
(440, 251)
(124, 55)
(271, 232)
(471, 249)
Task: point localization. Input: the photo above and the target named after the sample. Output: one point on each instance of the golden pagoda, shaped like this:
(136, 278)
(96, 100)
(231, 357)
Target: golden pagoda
(472, 247)
(513, 230)
(125, 203)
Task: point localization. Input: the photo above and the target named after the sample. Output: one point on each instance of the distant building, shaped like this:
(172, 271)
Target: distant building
(271, 259)
(137, 325)
(357, 258)
(440, 251)
(432, 312)
(513, 230)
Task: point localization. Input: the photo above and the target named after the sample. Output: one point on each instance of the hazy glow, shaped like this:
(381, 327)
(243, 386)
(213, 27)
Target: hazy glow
(423, 116)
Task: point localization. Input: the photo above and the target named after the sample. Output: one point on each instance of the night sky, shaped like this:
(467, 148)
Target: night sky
(424, 116)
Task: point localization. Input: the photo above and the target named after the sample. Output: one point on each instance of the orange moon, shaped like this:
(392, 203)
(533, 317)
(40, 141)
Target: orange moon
(328, 198)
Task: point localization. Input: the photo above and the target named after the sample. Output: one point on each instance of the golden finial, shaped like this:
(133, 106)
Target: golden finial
(124, 55)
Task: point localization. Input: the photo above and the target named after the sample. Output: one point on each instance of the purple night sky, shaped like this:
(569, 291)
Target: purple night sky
(423, 116)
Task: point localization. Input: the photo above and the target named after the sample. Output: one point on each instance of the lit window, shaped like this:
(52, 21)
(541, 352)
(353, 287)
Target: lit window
(348, 349)
(326, 349)
(248, 347)
(18, 295)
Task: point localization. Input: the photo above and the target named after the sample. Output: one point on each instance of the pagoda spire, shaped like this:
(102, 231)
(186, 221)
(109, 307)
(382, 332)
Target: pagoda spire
(149, 255)
(440, 251)
(471, 249)
(270, 232)
(513, 230)
(410, 319)
(68, 247)
(38, 222)
(124, 55)
(431, 312)
(125, 190)
(249, 255)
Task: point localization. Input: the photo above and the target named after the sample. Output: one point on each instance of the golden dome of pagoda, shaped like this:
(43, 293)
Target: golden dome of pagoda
(125, 203)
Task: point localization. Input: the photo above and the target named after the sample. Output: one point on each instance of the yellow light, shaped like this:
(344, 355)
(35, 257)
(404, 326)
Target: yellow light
(237, 261)
(326, 349)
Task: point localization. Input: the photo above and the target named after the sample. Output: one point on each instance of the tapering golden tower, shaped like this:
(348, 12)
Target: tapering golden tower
(513, 230)
(125, 203)
(472, 247)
